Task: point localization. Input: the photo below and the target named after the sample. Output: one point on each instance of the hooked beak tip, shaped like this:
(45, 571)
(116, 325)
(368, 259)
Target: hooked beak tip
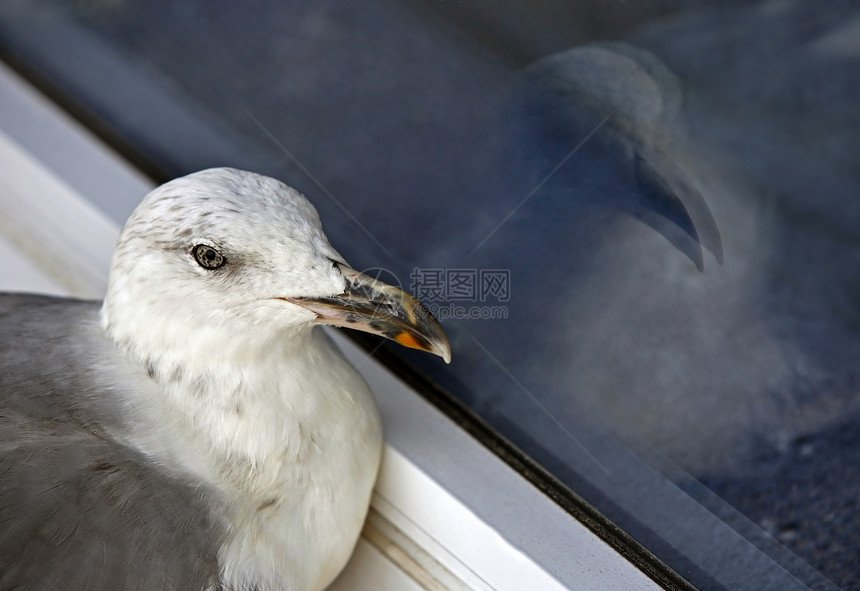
(373, 306)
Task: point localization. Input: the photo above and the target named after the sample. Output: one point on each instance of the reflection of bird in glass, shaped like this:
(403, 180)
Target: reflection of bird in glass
(200, 432)
(630, 100)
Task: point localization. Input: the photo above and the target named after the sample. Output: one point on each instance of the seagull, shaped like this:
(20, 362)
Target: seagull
(197, 429)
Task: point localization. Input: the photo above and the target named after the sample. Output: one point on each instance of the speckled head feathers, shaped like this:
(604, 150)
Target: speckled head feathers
(272, 244)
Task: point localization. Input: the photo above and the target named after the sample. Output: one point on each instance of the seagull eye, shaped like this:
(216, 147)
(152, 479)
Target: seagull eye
(207, 256)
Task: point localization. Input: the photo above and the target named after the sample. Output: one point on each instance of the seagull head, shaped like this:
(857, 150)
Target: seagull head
(224, 262)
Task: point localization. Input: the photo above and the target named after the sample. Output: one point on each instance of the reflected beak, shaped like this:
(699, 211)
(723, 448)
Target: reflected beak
(372, 306)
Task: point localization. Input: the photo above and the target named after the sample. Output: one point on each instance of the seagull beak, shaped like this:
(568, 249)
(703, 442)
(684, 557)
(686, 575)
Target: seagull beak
(372, 306)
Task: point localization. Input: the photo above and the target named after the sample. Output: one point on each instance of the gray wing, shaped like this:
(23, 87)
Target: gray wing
(78, 510)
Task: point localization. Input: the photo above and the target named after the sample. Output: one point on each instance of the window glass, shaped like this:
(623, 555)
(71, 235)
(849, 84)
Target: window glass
(637, 222)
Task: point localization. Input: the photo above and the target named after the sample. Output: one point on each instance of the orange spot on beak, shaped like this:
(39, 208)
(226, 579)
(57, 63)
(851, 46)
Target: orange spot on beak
(407, 340)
